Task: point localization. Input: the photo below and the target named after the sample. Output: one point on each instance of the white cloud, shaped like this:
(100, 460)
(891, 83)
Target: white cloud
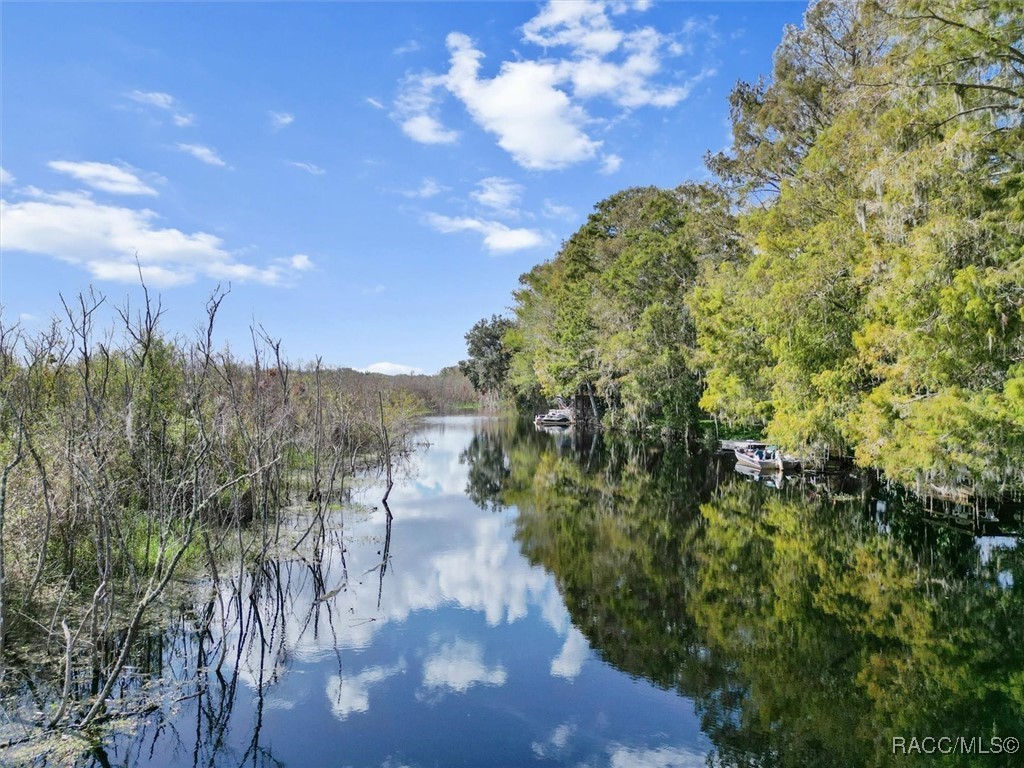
(204, 153)
(610, 164)
(154, 99)
(428, 188)
(165, 102)
(372, 291)
(582, 25)
(118, 180)
(416, 110)
(392, 369)
(374, 103)
(534, 121)
(459, 666)
(106, 240)
(5, 177)
(279, 120)
(428, 130)
(300, 262)
(498, 194)
(315, 170)
(498, 238)
(535, 107)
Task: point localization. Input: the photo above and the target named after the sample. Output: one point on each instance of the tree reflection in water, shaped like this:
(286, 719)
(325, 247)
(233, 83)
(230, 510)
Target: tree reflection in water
(808, 631)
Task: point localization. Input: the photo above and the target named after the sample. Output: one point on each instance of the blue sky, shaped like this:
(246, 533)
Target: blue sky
(369, 178)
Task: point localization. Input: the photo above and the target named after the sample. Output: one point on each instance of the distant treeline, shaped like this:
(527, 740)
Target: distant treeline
(853, 279)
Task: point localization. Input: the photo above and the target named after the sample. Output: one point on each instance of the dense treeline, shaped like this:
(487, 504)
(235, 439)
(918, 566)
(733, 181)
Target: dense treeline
(126, 454)
(853, 280)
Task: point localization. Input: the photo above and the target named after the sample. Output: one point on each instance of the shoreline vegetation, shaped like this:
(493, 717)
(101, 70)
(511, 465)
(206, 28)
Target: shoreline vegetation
(848, 284)
(128, 458)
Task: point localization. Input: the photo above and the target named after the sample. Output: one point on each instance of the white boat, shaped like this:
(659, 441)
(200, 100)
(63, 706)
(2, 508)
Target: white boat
(765, 458)
(556, 417)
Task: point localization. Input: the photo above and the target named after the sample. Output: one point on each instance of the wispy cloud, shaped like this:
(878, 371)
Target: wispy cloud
(428, 188)
(553, 210)
(498, 237)
(374, 103)
(610, 164)
(166, 102)
(5, 177)
(106, 240)
(204, 153)
(391, 369)
(498, 194)
(416, 111)
(118, 180)
(154, 99)
(535, 107)
(315, 170)
(279, 120)
(373, 290)
(409, 47)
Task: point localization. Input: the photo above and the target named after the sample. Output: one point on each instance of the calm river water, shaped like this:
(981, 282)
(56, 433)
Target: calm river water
(549, 599)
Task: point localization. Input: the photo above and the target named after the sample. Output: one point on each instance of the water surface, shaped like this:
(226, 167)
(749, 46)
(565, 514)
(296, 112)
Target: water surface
(554, 599)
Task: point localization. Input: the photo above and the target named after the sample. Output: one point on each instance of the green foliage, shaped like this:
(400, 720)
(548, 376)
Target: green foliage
(488, 362)
(610, 313)
(856, 286)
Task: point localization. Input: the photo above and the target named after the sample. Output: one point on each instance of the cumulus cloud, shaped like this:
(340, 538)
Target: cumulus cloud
(309, 168)
(535, 106)
(499, 194)
(533, 119)
(279, 120)
(427, 129)
(106, 240)
(392, 369)
(204, 153)
(118, 180)
(498, 237)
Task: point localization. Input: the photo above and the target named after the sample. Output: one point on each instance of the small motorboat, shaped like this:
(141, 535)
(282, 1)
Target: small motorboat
(764, 458)
(556, 417)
